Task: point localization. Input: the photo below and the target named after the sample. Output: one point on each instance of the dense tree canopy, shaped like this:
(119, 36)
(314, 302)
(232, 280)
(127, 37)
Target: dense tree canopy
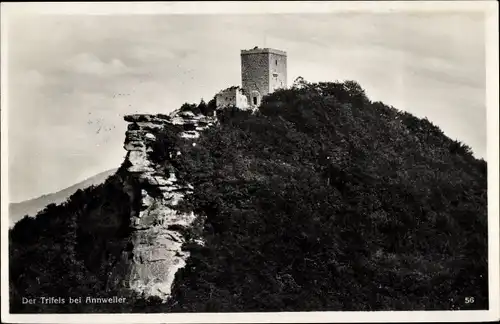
(324, 200)
(321, 200)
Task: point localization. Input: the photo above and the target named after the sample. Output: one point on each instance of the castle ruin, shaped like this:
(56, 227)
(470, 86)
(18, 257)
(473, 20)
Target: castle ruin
(263, 70)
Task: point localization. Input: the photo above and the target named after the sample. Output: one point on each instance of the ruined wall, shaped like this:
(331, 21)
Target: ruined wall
(155, 251)
(241, 100)
(225, 98)
(231, 97)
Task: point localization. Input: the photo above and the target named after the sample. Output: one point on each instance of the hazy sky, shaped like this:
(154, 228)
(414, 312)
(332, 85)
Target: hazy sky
(72, 78)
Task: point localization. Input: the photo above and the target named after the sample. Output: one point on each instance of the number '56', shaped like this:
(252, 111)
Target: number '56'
(469, 300)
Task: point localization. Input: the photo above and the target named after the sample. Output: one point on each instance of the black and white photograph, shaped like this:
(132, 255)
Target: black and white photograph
(250, 162)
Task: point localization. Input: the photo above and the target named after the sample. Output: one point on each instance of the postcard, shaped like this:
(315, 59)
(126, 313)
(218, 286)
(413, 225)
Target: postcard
(236, 162)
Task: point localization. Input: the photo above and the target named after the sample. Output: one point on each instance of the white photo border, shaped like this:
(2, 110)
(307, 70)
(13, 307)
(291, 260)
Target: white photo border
(490, 10)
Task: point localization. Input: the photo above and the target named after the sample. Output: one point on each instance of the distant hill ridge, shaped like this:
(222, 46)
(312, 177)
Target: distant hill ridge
(32, 206)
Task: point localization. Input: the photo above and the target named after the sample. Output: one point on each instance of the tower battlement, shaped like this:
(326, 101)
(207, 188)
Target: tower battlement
(266, 50)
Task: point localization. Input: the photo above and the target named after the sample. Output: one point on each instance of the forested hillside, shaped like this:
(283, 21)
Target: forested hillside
(321, 200)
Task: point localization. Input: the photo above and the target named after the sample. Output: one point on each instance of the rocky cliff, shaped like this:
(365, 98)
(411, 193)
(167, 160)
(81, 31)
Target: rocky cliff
(155, 249)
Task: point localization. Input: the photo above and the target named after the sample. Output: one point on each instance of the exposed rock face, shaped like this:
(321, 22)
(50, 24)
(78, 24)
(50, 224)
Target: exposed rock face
(155, 249)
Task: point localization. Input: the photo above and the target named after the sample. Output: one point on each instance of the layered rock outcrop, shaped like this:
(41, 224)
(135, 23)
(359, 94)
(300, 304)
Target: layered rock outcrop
(155, 251)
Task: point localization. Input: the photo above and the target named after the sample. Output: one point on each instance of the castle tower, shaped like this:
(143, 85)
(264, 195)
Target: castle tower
(263, 70)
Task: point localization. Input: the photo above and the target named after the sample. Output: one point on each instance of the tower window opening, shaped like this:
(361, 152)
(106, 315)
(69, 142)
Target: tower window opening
(254, 100)
(276, 61)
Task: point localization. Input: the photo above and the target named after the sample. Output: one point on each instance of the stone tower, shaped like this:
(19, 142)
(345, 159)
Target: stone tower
(263, 70)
